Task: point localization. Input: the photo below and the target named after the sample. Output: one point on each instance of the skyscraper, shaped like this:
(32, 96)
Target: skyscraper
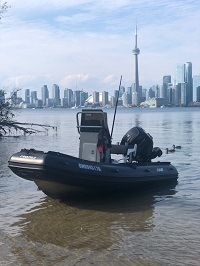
(27, 96)
(196, 83)
(189, 83)
(136, 89)
(68, 98)
(105, 99)
(83, 98)
(56, 94)
(125, 99)
(183, 94)
(180, 73)
(184, 77)
(166, 79)
(198, 93)
(165, 90)
(129, 92)
(177, 101)
(77, 98)
(33, 97)
(45, 94)
(95, 97)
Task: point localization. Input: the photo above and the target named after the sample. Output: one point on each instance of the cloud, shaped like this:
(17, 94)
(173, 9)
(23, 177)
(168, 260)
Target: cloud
(89, 83)
(89, 44)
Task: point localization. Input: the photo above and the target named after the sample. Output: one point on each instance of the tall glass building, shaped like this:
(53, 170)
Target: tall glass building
(27, 96)
(56, 94)
(180, 73)
(184, 77)
(105, 99)
(45, 94)
(95, 97)
(196, 83)
(68, 98)
(33, 97)
(189, 83)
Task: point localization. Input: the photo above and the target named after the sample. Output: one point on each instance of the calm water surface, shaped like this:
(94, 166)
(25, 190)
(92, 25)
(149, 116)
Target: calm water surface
(157, 227)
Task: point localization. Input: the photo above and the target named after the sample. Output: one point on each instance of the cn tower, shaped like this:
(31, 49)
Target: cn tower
(136, 52)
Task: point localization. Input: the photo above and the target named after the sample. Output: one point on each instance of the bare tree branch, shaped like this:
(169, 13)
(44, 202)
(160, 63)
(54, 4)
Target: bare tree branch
(8, 126)
(3, 8)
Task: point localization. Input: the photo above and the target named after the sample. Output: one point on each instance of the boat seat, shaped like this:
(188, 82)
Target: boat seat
(120, 149)
(128, 151)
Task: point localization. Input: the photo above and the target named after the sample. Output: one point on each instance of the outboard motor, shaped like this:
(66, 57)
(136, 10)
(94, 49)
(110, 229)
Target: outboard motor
(144, 141)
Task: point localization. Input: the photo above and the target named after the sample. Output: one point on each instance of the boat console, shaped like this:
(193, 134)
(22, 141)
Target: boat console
(95, 140)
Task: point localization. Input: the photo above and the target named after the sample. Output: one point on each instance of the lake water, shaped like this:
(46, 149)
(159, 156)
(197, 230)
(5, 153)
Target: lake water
(156, 227)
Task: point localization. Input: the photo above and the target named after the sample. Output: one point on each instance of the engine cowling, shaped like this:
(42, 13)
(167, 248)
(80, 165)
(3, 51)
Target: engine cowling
(145, 151)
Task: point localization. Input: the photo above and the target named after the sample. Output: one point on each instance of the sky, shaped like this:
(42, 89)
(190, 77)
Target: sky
(87, 44)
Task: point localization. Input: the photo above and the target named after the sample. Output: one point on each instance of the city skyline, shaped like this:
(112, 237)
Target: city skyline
(180, 93)
(183, 75)
(88, 45)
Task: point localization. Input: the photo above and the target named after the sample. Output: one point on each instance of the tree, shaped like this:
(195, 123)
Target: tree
(8, 125)
(3, 8)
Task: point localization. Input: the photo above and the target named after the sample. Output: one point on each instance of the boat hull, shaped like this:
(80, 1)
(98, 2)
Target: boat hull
(57, 172)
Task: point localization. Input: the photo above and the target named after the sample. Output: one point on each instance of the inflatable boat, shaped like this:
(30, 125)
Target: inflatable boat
(57, 174)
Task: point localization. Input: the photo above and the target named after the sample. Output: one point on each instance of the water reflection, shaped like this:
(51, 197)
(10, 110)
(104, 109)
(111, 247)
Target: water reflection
(90, 221)
(139, 229)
